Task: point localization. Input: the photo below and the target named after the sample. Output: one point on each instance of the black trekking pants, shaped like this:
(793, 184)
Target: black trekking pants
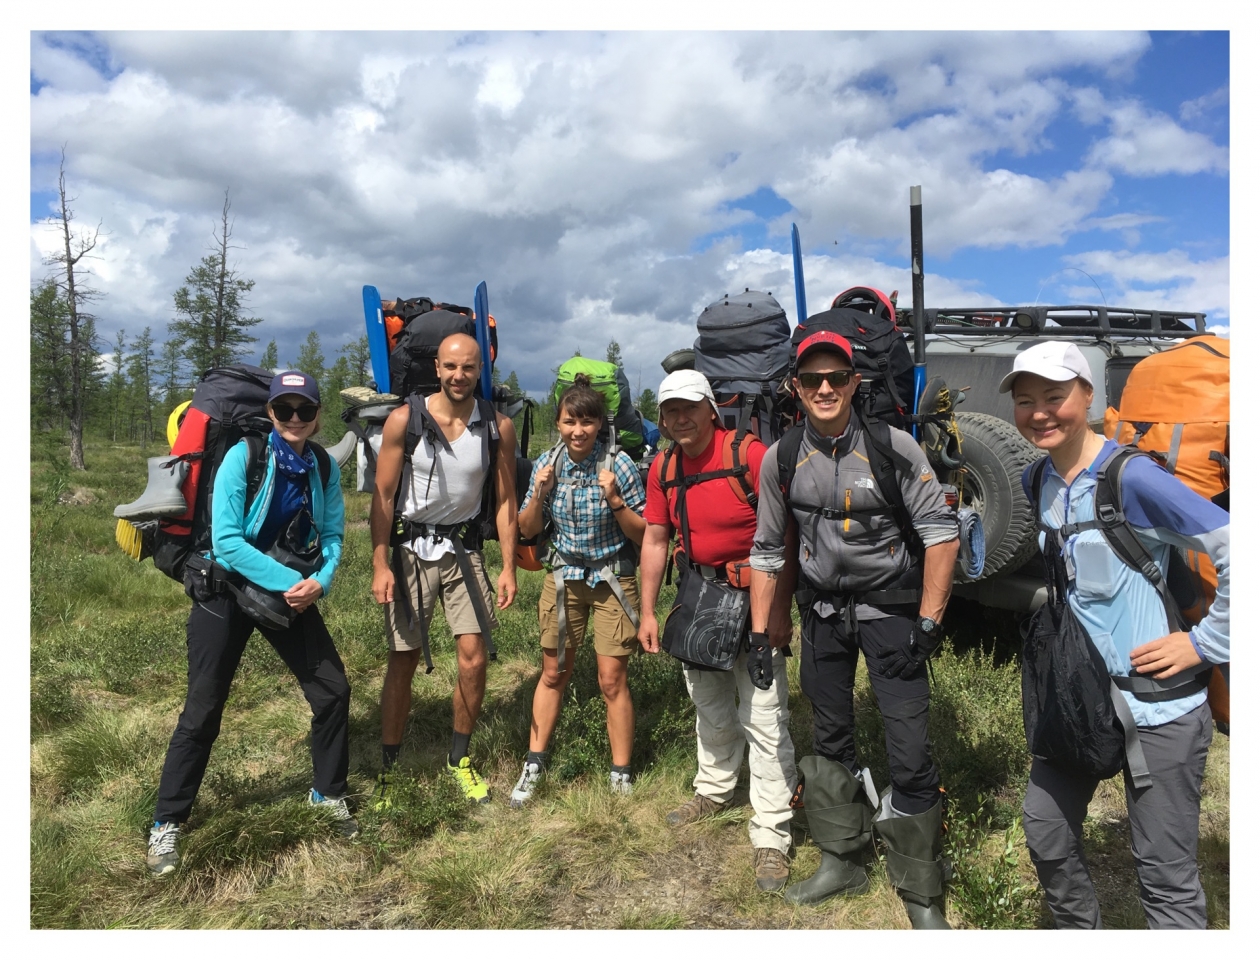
(217, 633)
(828, 665)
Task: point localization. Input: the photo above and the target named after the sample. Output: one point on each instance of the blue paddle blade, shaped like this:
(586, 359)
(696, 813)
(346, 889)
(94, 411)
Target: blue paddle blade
(378, 345)
(798, 274)
(920, 383)
(481, 306)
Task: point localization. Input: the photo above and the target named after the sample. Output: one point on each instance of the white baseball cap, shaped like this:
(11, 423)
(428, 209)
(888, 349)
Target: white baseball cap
(686, 385)
(1053, 359)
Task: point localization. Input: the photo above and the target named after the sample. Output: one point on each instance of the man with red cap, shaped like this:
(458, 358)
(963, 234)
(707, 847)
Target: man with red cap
(877, 551)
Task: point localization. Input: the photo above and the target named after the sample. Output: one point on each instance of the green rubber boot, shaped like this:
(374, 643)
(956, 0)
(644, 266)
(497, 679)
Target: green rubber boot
(916, 867)
(839, 818)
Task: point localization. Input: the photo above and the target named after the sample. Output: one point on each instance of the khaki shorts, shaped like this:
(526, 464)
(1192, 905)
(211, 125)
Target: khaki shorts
(428, 578)
(615, 635)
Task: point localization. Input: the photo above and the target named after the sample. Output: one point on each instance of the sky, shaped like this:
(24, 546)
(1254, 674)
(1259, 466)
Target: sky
(610, 185)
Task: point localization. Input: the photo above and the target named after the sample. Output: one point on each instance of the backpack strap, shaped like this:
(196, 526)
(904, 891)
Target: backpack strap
(886, 465)
(788, 450)
(1110, 520)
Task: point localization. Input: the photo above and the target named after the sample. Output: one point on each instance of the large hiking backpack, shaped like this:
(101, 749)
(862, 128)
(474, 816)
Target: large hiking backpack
(744, 349)
(1179, 590)
(865, 317)
(1175, 406)
(228, 405)
(414, 330)
(608, 379)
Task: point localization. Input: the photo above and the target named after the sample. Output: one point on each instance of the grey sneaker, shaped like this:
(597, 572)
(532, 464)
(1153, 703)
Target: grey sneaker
(697, 808)
(343, 823)
(620, 783)
(770, 867)
(163, 857)
(531, 773)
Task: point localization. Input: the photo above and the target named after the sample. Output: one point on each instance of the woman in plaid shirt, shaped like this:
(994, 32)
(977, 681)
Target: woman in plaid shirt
(590, 506)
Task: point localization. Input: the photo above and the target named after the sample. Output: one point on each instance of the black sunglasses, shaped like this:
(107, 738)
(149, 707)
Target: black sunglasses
(306, 412)
(837, 378)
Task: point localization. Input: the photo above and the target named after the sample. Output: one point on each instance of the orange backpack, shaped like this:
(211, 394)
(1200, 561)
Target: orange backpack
(1175, 406)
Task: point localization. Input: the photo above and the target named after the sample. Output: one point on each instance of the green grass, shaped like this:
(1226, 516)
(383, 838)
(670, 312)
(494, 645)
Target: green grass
(107, 684)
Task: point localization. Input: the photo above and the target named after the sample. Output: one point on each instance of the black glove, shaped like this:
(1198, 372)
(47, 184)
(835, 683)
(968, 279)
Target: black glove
(904, 662)
(760, 665)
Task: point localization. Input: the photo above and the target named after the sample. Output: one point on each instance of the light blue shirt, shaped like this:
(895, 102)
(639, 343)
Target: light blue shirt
(1118, 607)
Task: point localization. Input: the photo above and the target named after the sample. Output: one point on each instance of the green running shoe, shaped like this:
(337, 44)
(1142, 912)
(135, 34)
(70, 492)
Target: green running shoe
(469, 780)
(383, 792)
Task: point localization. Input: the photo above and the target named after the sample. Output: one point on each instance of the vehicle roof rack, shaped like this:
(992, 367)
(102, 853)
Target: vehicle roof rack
(1071, 320)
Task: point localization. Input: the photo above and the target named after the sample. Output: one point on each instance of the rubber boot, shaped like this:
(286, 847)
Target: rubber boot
(162, 496)
(839, 818)
(915, 866)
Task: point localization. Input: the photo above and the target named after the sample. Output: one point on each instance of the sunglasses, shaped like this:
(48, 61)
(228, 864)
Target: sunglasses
(837, 378)
(306, 412)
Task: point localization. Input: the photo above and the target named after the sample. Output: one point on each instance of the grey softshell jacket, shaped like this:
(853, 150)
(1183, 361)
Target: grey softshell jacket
(865, 551)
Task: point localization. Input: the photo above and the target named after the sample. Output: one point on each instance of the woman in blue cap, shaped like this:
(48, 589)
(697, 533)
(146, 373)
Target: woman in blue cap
(277, 522)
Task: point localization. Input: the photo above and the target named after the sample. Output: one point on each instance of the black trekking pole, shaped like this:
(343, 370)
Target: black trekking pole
(916, 293)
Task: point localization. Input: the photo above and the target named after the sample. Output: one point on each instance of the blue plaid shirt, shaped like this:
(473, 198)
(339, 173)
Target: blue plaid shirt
(584, 526)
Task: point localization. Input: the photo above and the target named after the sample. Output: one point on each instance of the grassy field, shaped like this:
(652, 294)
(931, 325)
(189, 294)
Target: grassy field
(107, 684)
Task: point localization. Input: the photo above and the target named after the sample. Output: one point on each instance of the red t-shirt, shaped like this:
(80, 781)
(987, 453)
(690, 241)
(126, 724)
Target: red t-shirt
(722, 526)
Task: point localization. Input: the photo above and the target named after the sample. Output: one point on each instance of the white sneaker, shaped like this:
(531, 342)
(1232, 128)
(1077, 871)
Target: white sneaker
(868, 784)
(162, 857)
(620, 783)
(343, 822)
(531, 773)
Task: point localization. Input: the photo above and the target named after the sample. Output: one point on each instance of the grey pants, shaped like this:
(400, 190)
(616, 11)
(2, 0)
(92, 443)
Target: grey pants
(1163, 823)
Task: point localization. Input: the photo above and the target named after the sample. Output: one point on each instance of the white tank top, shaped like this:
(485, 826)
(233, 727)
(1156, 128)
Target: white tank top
(446, 488)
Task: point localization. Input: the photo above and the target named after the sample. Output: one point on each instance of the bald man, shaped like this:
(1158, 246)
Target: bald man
(433, 490)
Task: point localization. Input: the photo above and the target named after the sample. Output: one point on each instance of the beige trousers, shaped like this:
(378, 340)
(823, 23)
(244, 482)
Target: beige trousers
(730, 712)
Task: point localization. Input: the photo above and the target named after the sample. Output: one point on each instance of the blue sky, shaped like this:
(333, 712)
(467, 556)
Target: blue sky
(611, 185)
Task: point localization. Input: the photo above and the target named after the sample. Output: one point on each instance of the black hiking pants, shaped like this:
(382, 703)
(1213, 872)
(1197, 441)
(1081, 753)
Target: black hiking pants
(217, 633)
(829, 655)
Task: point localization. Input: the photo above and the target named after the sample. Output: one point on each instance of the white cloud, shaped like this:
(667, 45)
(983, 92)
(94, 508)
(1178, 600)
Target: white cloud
(1168, 280)
(576, 173)
(1147, 143)
(1192, 110)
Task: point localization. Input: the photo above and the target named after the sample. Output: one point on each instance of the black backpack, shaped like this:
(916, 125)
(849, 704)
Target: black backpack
(425, 325)
(861, 315)
(744, 349)
(228, 405)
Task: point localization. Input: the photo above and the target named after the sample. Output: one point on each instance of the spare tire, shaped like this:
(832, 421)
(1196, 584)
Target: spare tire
(995, 456)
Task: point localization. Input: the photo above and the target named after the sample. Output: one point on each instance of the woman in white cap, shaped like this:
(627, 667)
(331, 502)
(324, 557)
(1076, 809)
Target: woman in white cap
(1157, 669)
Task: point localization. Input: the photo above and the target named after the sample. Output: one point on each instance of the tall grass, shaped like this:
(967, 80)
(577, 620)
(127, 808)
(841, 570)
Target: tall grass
(107, 685)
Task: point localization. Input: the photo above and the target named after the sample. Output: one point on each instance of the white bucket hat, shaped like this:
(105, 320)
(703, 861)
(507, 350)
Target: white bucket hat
(1053, 359)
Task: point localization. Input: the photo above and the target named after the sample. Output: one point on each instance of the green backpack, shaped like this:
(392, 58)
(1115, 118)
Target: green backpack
(609, 380)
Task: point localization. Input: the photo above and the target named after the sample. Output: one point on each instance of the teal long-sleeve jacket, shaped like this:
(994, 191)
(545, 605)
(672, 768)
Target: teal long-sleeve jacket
(234, 531)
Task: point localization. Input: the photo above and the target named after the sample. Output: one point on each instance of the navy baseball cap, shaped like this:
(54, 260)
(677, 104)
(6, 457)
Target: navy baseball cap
(294, 381)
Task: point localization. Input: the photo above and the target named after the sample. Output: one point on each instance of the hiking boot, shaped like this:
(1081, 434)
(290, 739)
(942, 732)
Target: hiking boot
(383, 792)
(620, 783)
(469, 780)
(697, 808)
(343, 823)
(770, 867)
(531, 773)
(163, 857)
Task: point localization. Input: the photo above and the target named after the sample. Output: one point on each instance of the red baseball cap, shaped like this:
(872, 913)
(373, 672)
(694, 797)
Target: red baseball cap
(824, 341)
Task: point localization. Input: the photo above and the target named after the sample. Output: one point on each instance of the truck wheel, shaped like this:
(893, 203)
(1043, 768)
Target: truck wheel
(995, 456)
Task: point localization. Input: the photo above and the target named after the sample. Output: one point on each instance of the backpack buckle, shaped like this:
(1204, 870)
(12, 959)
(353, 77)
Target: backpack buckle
(1108, 513)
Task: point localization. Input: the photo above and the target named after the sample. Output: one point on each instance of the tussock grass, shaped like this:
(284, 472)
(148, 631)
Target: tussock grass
(107, 685)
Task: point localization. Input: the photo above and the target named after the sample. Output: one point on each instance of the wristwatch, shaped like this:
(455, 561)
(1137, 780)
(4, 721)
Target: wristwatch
(928, 626)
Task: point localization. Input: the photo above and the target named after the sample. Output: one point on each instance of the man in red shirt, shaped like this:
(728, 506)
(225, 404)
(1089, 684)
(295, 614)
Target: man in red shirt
(748, 703)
